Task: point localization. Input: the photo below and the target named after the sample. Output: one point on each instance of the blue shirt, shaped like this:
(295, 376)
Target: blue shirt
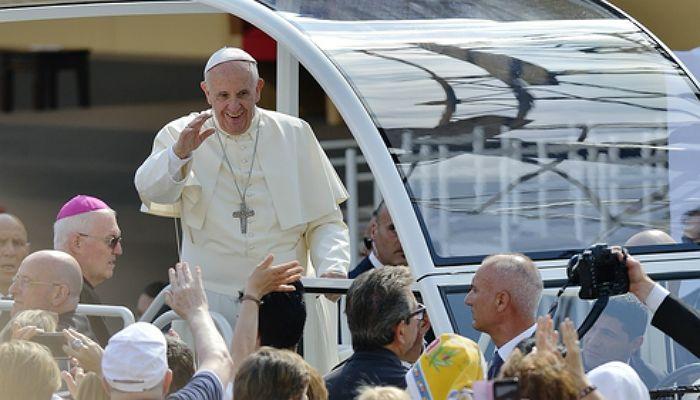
(204, 385)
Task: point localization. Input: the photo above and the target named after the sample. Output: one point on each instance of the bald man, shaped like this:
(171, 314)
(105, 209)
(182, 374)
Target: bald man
(650, 237)
(49, 280)
(504, 296)
(13, 248)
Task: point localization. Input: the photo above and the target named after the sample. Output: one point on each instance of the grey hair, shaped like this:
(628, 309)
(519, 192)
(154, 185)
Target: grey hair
(64, 228)
(251, 66)
(519, 276)
(376, 302)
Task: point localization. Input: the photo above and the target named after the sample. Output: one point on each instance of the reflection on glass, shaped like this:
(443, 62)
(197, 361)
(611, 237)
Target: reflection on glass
(533, 128)
(623, 332)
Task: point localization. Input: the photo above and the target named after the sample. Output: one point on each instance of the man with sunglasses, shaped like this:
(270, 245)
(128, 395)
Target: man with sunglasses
(48, 280)
(387, 325)
(86, 228)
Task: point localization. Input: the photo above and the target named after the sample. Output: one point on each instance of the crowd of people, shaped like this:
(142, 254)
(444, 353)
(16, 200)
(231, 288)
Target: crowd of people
(250, 184)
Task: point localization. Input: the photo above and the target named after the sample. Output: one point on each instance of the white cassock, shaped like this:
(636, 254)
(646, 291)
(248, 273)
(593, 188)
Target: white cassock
(294, 192)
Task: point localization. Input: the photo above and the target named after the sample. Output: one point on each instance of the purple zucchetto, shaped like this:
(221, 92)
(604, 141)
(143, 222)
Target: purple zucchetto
(81, 204)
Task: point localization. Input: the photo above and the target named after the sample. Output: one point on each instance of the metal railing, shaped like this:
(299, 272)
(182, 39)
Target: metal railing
(96, 310)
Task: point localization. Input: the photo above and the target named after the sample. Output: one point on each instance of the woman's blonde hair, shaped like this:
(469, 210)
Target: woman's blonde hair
(541, 375)
(29, 371)
(382, 393)
(42, 319)
(271, 374)
(317, 386)
(91, 388)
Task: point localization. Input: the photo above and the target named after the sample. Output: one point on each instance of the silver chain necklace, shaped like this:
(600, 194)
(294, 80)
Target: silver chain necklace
(243, 212)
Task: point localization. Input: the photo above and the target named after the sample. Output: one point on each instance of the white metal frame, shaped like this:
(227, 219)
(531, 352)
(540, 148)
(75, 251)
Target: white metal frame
(96, 310)
(293, 46)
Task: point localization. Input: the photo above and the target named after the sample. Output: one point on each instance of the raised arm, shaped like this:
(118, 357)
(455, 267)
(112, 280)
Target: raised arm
(266, 278)
(187, 298)
(162, 176)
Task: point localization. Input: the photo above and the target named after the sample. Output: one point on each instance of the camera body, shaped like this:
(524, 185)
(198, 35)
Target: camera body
(599, 273)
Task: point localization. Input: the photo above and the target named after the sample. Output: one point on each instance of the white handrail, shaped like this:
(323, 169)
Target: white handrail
(221, 324)
(97, 310)
(150, 314)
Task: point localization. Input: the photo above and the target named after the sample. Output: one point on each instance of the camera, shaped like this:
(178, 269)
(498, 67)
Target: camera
(499, 389)
(599, 272)
(54, 341)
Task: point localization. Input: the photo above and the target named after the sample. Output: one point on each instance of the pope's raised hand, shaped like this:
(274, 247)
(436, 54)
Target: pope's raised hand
(192, 136)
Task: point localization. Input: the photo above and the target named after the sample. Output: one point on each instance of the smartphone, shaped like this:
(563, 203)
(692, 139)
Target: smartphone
(506, 389)
(501, 389)
(54, 341)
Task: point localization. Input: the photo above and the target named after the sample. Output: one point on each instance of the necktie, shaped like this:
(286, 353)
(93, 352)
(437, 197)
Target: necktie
(495, 367)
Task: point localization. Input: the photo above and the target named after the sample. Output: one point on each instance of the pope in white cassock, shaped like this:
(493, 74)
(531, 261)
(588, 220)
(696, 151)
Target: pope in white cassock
(247, 182)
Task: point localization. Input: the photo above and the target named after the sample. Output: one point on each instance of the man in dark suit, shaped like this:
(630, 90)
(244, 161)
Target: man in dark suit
(668, 309)
(387, 325)
(503, 298)
(386, 248)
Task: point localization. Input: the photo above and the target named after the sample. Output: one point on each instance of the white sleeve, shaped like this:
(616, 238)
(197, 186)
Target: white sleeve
(329, 243)
(656, 297)
(175, 165)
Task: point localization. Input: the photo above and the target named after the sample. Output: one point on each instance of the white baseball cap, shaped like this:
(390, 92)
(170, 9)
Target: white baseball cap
(226, 54)
(135, 359)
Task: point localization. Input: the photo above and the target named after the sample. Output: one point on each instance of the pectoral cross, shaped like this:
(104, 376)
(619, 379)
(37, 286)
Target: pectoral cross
(243, 214)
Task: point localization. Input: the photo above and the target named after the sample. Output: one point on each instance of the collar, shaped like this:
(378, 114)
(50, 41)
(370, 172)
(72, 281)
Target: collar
(86, 283)
(377, 354)
(505, 350)
(374, 260)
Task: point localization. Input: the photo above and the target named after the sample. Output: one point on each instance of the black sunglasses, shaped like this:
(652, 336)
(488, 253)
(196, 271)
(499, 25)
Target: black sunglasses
(110, 241)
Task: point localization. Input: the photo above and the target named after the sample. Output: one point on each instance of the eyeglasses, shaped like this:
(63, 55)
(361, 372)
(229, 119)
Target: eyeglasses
(24, 281)
(111, 241)
(419, 313)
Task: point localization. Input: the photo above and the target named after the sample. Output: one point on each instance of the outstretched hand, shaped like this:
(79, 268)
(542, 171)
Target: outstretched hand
(268, 278)
(192, 136)
(186, 294)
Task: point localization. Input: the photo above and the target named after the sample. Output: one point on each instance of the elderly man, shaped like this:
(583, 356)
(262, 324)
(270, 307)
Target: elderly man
(387, 325)
(247, 182)
(505, 292)
(86, 228)
(13, 248)
(49, 280)
(386, 248)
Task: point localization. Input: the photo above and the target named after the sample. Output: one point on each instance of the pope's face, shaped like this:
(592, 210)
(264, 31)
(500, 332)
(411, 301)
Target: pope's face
(232, 91)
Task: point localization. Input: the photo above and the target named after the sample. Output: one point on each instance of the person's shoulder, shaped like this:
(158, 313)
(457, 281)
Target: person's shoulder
(282, 119)
(204, 385)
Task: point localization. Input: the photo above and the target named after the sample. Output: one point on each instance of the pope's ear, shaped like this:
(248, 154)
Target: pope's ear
(203, 85)
(258, 89)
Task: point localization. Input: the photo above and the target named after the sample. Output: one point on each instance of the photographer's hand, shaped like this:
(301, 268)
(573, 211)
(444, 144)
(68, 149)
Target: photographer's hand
(640, 283)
